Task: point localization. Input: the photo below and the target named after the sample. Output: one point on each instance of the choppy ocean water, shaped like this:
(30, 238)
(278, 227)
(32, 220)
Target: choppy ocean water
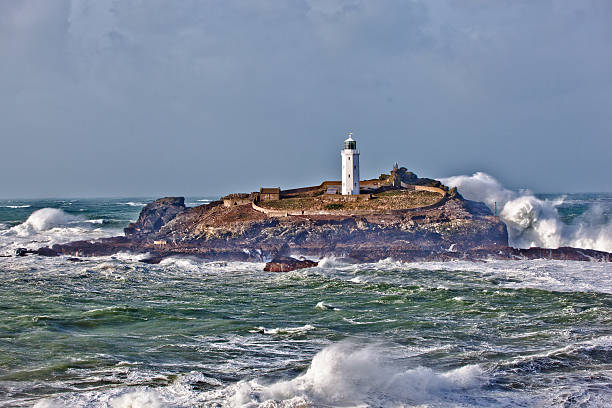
(114, 332)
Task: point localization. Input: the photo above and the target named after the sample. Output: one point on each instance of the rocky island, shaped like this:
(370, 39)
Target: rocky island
(398, 215)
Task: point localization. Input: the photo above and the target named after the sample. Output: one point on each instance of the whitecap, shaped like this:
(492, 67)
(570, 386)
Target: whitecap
(134, 204)
(283, 330)
(97, 221)
(326, 306)
(349, 374)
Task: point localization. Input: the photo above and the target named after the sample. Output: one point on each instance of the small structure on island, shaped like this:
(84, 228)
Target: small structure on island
(233, 199)
(350, 167)
(267, 194)
(396, 179)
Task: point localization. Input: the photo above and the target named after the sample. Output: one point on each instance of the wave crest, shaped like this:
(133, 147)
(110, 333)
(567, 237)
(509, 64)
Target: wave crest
(532, 221)
(49, 226)
(349, 374)
(44, 220)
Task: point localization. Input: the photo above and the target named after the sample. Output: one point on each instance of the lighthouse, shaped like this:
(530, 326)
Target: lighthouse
(350, 167)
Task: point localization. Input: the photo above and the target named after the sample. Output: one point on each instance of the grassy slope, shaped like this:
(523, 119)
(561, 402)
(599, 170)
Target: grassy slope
(389, 200)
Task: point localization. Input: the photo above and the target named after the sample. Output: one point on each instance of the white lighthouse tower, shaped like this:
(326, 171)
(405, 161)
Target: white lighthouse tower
(350, 167)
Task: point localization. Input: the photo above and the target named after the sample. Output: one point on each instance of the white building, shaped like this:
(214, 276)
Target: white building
(350, 167)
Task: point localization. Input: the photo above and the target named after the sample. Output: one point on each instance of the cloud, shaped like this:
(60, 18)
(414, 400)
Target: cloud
(155, 97)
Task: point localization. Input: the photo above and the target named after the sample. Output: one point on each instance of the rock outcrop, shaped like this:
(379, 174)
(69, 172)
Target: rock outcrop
(155, 215)
(287, 264)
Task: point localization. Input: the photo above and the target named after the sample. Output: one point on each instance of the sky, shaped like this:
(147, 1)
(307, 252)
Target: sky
(198, 97)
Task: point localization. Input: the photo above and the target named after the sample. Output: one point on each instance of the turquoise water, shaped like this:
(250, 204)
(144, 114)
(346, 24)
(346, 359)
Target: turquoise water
(114, 332)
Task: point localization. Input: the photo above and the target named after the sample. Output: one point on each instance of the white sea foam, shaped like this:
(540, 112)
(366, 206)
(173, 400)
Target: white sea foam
(348, 374)
(331, 262)
(550, 275)
(117, 398)
(138, 399)
(284, 330)
(15, 206)
(98, 221)
(134, 204)
(183, 264)
(326, 306)
(532, 221)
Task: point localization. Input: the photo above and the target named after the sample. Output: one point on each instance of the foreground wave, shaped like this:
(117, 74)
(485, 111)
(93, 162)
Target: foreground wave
(114, 332)
(342, 374)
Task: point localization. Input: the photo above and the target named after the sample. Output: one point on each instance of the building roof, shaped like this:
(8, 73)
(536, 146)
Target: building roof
(271, 190)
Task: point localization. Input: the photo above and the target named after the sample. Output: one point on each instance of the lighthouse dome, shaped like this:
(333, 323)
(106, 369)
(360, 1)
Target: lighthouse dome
(350, 143)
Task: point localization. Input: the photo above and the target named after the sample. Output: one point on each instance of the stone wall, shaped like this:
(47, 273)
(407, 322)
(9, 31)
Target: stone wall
(430, 189)
(284, 213)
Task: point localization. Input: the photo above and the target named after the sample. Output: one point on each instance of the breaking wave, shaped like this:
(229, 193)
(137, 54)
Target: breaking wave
(342, 374)
(43, 220)
(49, 226)
(535, 222)
(347, 374)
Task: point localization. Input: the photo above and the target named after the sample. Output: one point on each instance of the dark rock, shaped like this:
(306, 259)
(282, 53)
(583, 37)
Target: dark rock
(287, 264)
(72, 259)
(155, 215)
(46, 251)
(22, 252)
(153, 260)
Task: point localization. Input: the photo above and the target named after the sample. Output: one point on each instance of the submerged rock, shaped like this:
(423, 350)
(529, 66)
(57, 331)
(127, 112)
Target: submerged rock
(287, 264)
(46, 252)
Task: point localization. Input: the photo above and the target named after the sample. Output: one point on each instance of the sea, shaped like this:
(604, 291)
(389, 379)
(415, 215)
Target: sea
(115, 332)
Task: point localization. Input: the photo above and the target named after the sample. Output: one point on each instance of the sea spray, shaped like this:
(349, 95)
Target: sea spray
(49, 226)
(45, 219)
(532, 221)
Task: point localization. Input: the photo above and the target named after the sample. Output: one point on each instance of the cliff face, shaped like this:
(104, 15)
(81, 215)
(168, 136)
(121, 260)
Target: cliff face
(155, 215)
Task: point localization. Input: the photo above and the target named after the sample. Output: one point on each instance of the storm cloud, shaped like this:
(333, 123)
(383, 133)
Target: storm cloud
(134, 97)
